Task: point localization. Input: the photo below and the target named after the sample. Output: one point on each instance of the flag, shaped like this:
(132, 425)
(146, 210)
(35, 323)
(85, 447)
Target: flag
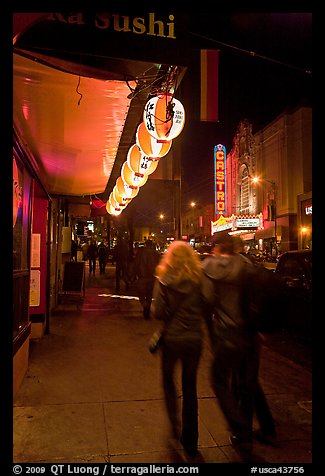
(209, 85)
(97, 208)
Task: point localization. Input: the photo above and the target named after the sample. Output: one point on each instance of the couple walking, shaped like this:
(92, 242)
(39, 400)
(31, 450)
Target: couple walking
(188, 295)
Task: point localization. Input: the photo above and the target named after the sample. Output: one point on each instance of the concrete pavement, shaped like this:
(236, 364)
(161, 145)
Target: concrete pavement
(93, 393)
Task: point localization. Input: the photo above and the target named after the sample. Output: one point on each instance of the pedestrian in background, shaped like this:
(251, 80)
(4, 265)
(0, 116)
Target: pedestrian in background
(145, 264)
(131, 263)
(178, 302)
(121, 253)
(235, 341)
(92, 254)
(102, 257)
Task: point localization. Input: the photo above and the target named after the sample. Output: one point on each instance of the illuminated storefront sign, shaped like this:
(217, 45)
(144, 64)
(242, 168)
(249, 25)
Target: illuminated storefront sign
(247, 222)
(236, 223)
(220, 179)
(309, 210)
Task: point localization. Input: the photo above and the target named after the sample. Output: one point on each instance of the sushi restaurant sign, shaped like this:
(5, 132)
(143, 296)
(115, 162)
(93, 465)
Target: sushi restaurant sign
(150, 24)
(156, 37)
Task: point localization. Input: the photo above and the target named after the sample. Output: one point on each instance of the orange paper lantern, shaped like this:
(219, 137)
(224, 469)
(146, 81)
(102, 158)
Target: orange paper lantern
(125, 190)
(111, 210)
(122, 201)
(133, 179)
(140, 163)
(150, 146)
(114, 203)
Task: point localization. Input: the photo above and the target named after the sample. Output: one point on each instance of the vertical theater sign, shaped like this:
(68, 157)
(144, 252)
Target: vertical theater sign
(234, 223)
(219, 179)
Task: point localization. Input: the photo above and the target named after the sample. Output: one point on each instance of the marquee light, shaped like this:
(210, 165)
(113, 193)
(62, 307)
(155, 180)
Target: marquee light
(133, 179)
(164, 117)
(140, 163)
(149, 145)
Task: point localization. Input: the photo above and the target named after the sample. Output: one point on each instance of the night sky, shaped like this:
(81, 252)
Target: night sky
(258, 87)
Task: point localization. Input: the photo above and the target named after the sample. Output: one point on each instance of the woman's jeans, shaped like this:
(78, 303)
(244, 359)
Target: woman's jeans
(188, 352)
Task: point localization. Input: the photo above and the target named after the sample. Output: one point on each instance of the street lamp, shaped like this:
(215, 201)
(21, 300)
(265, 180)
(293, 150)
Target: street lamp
(256, 180)
(304, 231)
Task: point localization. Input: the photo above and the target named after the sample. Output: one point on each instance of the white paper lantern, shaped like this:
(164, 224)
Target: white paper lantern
(164, 116)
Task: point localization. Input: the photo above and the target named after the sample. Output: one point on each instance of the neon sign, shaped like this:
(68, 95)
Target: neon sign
(309, 210)
(219, 179)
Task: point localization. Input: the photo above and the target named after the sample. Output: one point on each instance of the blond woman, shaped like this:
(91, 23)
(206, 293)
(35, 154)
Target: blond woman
(178, 302)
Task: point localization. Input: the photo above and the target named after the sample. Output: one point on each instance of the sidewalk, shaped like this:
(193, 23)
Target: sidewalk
(92, 393)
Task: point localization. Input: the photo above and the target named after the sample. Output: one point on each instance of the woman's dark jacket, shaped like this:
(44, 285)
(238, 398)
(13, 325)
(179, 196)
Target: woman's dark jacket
(180, 305)
(224, 283)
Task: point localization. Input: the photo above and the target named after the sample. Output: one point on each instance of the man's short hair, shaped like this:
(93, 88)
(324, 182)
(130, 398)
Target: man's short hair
(225, 241)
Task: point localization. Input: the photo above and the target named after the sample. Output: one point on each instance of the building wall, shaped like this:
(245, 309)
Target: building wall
(284, 155)
(281, 156)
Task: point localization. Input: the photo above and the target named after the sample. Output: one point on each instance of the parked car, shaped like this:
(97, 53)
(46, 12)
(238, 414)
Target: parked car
(294, 271)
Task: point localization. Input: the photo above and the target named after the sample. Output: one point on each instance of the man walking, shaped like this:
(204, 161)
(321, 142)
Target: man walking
(146, 261)
(235, 340)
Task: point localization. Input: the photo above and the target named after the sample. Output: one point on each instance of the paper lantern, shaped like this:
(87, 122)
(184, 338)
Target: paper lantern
(122, 201)
(125, 190)
(114, 203)
(140, 163)
(111, 210)
(150, 146)
(164, 116)
(133, 179)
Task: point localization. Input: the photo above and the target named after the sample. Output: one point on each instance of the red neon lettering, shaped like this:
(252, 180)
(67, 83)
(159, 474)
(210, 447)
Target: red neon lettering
(220, 196)
(220, 175)
(220, 155)
(220, 165)
(220, 206)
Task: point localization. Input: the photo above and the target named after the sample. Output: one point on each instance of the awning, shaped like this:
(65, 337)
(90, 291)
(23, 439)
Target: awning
(80, 90)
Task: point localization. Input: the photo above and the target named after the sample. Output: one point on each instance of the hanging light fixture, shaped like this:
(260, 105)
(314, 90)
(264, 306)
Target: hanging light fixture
(125, 190)
(164, 116)
(111, 210)
(149, 145)
(114, 203)
(122, 201)
(140, 163)
(133, 179)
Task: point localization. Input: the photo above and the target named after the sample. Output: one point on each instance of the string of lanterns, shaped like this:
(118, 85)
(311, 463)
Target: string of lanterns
(163, 121)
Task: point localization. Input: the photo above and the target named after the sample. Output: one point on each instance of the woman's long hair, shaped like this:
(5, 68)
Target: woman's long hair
(181, 263)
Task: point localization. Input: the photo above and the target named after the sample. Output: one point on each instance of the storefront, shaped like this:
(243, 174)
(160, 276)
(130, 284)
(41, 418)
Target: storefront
(30, 258)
